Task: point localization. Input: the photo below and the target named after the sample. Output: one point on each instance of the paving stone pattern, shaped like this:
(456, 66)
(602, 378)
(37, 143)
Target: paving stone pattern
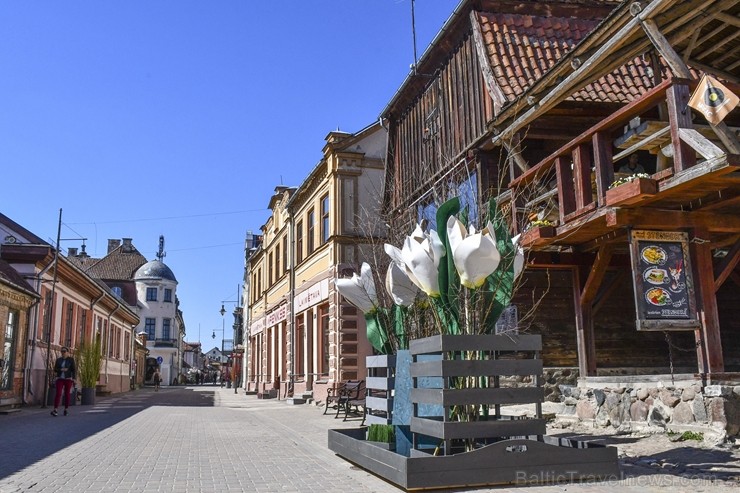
(192, 439)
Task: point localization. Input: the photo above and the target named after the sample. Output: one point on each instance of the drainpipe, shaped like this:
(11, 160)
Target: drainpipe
(291, 309)
(107, 349)
(27, 387)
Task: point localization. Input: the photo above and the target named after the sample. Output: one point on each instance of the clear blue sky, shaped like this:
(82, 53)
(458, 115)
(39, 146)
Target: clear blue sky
(179, 117)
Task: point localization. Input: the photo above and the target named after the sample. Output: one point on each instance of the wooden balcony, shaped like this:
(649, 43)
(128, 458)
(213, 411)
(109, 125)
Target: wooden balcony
(693, 181)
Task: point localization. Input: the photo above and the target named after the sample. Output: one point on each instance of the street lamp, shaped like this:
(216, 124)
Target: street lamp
(234, 342)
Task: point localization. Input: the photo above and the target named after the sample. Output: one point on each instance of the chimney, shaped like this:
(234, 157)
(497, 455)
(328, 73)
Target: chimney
(113, 244)
(71, 252)
(83, 253)
(127, 246)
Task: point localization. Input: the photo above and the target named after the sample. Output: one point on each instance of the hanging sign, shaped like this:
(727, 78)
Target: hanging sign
(663, 281)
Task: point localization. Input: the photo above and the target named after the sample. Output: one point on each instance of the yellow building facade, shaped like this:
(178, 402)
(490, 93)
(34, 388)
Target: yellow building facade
(303, 337)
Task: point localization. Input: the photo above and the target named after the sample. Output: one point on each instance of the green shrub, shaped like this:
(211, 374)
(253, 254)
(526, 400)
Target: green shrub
(381, 433)
(88, 363)
(691, 435)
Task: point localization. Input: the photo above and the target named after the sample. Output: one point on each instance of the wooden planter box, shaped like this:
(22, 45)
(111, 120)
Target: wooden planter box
(379, 388)
(446, 428)
(508, 449)
(632, 192)
(537, 236)
(527, 460)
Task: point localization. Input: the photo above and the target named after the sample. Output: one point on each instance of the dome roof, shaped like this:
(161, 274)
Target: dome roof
(154, 269)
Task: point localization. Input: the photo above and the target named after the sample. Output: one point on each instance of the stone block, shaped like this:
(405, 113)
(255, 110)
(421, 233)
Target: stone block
(566, 390)
(570, 401)
(642, 394)
(659, 415)
(639, 411)
(585, 410)
(668, 398)
(612, 401)
(602, 417)
(600, 397)
(700, 409)
(688, 395)
(716, 410)
(717, 391)
(736, 390)
(683, 414)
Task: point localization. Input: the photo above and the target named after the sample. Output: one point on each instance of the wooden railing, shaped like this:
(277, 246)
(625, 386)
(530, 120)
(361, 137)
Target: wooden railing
(574, 180)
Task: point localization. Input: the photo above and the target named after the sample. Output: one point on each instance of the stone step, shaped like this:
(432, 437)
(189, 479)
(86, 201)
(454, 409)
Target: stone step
(9, 410)
(295, 400)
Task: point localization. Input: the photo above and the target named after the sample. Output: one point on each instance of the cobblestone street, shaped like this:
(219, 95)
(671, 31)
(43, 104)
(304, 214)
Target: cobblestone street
(210, 439)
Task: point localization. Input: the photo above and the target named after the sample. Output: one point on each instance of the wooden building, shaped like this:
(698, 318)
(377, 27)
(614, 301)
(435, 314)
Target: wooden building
(540, 104)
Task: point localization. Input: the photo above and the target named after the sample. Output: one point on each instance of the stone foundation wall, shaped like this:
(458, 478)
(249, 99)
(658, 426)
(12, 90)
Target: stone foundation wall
(652, 405)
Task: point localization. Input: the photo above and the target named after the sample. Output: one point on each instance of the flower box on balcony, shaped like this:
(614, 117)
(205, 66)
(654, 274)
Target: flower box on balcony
(537, 236)
(631, 192)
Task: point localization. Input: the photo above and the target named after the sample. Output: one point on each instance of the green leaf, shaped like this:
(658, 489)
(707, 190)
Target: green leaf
(449, 280)
(399, 326)
(377, 334)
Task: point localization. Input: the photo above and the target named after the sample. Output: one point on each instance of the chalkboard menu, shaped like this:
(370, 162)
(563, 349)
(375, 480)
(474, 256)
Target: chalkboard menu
(664, 291)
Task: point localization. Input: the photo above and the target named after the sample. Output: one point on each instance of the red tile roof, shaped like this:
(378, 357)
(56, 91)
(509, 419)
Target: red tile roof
(521, 48)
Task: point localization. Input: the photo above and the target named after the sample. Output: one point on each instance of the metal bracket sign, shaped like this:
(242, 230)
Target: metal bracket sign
(663, 281)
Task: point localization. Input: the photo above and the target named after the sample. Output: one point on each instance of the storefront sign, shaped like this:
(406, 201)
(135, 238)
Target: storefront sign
(277, 316)
(257, 327)
(663, 281)
(313, 295)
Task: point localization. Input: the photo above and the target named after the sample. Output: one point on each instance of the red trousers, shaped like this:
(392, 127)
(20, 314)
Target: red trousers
(66, 384)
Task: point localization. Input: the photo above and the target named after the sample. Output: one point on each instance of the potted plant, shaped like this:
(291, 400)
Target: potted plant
(383, 436)
(631, 189)
(88, 364)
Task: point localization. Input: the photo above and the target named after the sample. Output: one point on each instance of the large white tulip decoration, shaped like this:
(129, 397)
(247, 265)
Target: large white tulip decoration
(421, 254)
(474, 253)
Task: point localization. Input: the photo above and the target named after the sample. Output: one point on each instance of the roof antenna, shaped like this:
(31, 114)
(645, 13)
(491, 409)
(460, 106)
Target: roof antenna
(413, 32)
(161, 253)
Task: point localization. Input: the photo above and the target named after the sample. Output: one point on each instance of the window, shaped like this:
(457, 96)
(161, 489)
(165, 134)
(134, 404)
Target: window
(277, 262)
(285, 253)
(310, 232)
(150, 326)
(166, 328)
(269, 270)
(325, 219)
(151, 294)
(168, 295)
(299, 242)
(126, 346)
(7, 350)
(323, 334)
(300, 332)
(69, 310)
(83, 326)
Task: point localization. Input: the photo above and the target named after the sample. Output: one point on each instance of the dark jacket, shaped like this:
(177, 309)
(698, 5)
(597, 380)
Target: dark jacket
(67, 362)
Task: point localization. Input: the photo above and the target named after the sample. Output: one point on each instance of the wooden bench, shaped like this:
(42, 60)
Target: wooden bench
(346, 396)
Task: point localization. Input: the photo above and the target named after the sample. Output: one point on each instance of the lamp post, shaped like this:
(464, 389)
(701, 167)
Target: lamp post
(236, 343)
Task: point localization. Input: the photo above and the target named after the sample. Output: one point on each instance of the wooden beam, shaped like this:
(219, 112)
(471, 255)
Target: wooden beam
(584, 328)
(707, 305)
(680, 117)
(610, 237)
(497, 95)
(699, 143)
(582, 175)
(730, 19)
(603, 164)
(566, 193)
(596, 275)
(726, 266)
(661, 219)
(665, 49)
(735, 278)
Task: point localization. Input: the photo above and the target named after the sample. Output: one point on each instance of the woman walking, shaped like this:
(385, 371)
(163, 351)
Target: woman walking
(66, 372)
(157, 379)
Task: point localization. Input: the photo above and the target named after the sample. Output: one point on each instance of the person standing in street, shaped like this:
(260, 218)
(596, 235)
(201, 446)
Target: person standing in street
(66, 372)
(157, 379)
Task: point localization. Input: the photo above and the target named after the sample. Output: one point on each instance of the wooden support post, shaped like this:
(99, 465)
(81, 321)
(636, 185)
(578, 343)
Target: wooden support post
(566, 193)
(709, 353)
(584, 329)
(680, 117)
(582, 175)
(602, 145)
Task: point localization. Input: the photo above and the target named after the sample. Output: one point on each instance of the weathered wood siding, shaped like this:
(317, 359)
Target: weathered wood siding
(618, 343)
(433, 131)
(728, 304)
